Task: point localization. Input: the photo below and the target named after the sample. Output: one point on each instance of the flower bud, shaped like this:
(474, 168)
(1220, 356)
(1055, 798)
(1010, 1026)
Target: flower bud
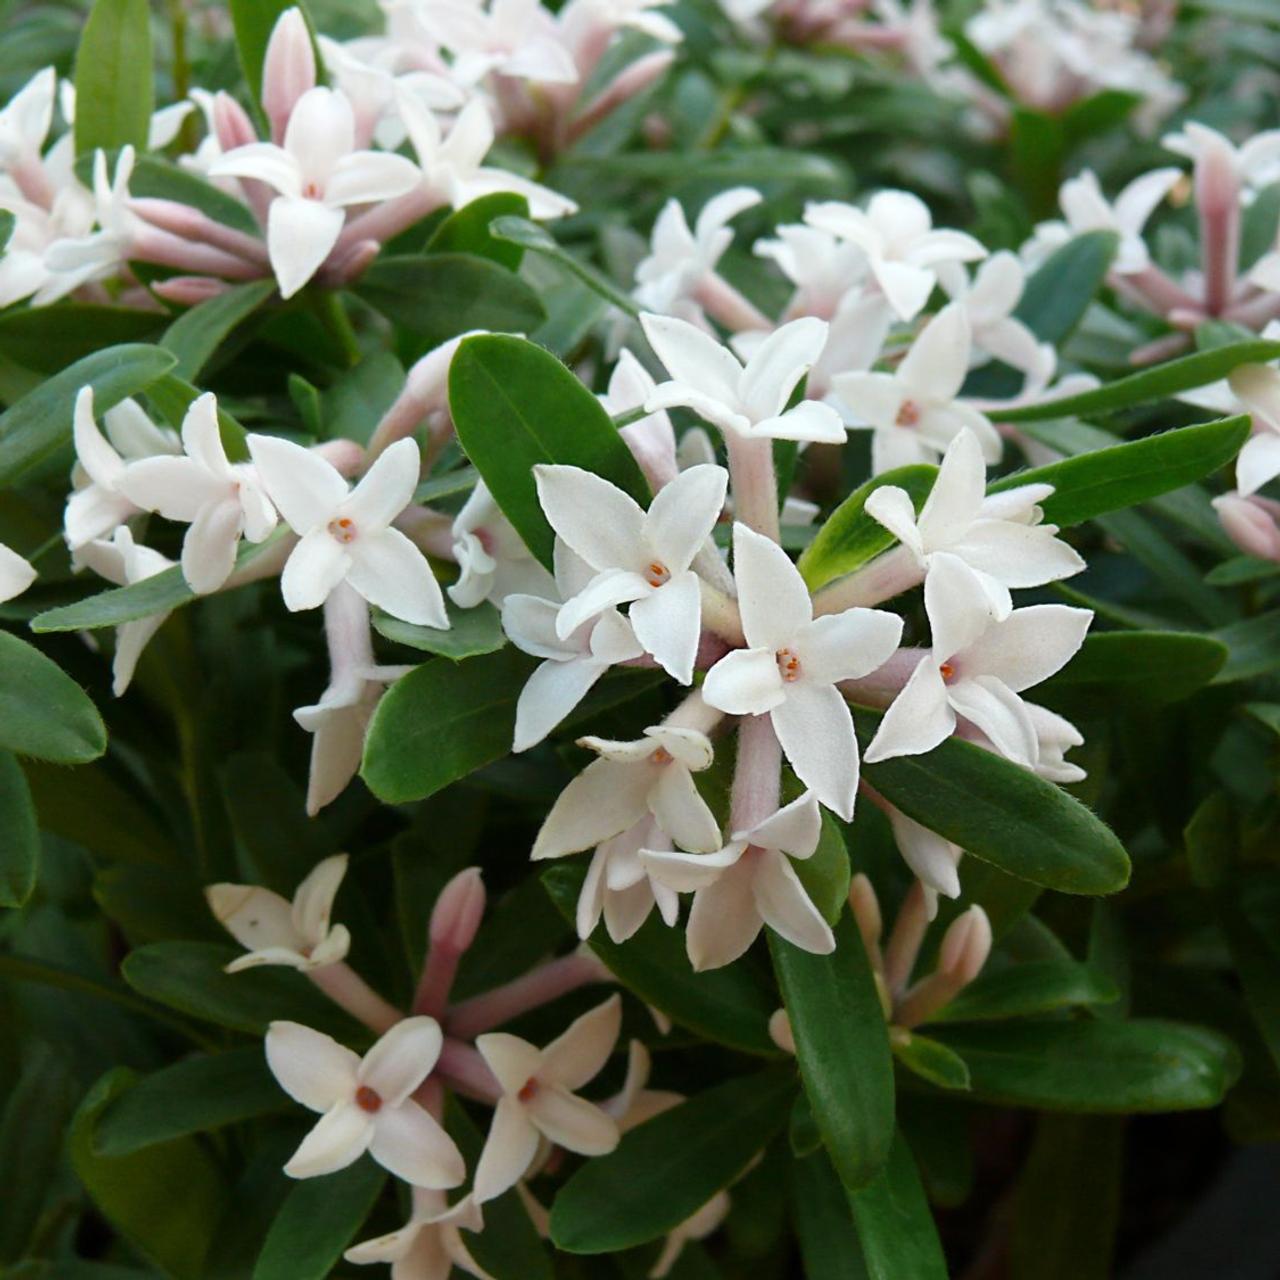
(1249, 524)
(780, 1031)
(345, 456)
(231, 123)
(189, 291)
(866, 911)
(458, 911)
(965, 946)
(288, 70)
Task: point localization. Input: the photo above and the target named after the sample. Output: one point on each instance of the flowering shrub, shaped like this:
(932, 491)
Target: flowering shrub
(641, 638)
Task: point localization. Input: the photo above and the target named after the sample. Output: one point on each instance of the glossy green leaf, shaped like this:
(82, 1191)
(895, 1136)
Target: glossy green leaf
(827, 873)
(1001, 813)
(165, 1200)
(850, 537)
(1160, 382)
(842, 1046)
(115, 86)
(471, 632)
(37, 426)
(666, 1169)
(514, 406)
(930, 1060)
(43, 712)
(1097, 1065)
(7, 224)
(194, 1095)
(726, 1005)
(320, 1219)
(824, 1222)
(1034, 986)
(1253, 648)
(20, 843)
(47, 339)
(436, 298)
(467, 230)
(1240, 570)
(197, 334)
(1059, 291)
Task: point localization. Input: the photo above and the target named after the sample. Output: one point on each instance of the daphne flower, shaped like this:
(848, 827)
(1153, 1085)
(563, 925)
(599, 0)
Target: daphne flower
(989, 299)
(1055, 736)
(100, 505)
(651, 439)
(998, 539)
(823, 268)
(346, 534)
(24, 124)
(630, 781)
(641, 557)
(366, 1103)
(317, 173)
(539, 1097)
(792, 664)
(570, 666)
(903, 250)
(748, 884)
(430, 1244)
(976, 669)
(1255, 163)
(914, 411)
(515, 38)
(1085, 208)
(619, 888)
(933, 859)
(298, 933)
(751, 400)
(493, 561)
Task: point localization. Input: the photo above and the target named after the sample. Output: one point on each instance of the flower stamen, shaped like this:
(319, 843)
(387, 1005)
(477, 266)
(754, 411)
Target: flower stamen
(788, 665)
(908, 414)
(656, 573)
(343, 528)
(369, 1100)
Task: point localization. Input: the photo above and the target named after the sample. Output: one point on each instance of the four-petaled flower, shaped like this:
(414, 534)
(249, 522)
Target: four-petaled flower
(430, 1244)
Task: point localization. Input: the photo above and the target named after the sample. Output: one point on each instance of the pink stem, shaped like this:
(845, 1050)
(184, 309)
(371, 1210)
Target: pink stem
(757, 775)
(539, 986)
(465, 1070)
(754, 484)
(888, 575)
(345, 987)
(724, 303)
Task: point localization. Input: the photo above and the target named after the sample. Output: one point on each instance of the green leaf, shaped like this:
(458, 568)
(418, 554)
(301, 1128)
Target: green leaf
(172, 396)
(197, 334)
(1034, 986)
(7, 224)
(1160, 382)
(471, 632)
(514, 406)
(930, 1060)
(824, 1224)
(195, 1095)
(189, 977)
(1096, 1066)
(842, 1046)
(254, 21)
(850, 537)
(165, 1200)
(467, 230)
(20, 844)
(43, 712)
(47, 339)
(1257, 963)
(1001, 813)
(1240, 570)
(1117, 669)
(37, 426)
(665, 1170)
(826, 874)
(1259, 225)
(725, 1005)
(154, 176)
(1253, 647)
(115, 87)
(320, 1219)
(895, 1228)
(1091, 484)
(439, 297)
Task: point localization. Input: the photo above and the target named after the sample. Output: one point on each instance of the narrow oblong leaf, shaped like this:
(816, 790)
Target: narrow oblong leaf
(1001, 813)
(665, 1170)
(43, 712)
(930, 1060)
(20, 841)
(824, 1222)
(471, 632)
(196, 334)
(1034, 986)
(115, 87)
(514, 406)
(842, 1046)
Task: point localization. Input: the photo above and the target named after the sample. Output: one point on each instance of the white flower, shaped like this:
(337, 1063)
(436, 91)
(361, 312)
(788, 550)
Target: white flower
(584, 24)
(914, 411)
(618, 885)
(641, 557)
(793, 663)
(539, 1097)
(1086, 209)
(430, 1244)
(25, 121)
(1255, 163)
(976, 669)
(16, 574)
(989, 300)
(318, 173)
(1055, 736)
(630, 781)
(346, 534)
(998, 539)
(748, 884)
(515, 38)
(297, 934)
(932, 858)
(366, 1103)
(680, 259)
(570, 666)
(219, 501)
(748, 401)
(493, 561)
(125, 562)
(903, 250)
(823, 268)
(651, 439)
(635, 1103)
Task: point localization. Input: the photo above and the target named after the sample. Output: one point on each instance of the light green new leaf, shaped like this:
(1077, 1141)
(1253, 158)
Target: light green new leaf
(115, 86)
(43, 712)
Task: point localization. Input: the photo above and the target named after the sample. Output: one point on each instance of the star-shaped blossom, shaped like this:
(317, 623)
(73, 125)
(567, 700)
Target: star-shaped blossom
(989, 300)
(347, 534)
(493, 561)
(430, 1244)
(915, 411)
(630, 781)
(792, 664)
(641, 557)
(25, 121)
(540, 1099)
(903, 249)
(745, 400)
(618, 887)
(297, 934)
(570, 666)
(1085, 208)
(976, 669)
(1255, 163)
(515, 38)
(366, 1104)
(1000, 539)
(219, 501)
(748, 884)
(318, 173)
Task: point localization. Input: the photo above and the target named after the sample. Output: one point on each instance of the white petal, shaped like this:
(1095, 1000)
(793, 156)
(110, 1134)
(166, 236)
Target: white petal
(263, 162)
(815, 727)
(724, 920)
(202, 437)
(16, 575)
(1028, 646)
(512, 1060)
(958, 607)
(906, 287)
(990, 704)
(209, 549)
(668, 622)
(938, 362)
(320, 132)
(892, 507)
(601, 523)
(368, 176)
(1258, 462)
(778, 364)
(919, 718)
(306, 488)
(253, 916)
(408, 1142)
(687, 872)
(957, 495)
(177, 488)
(340, 1137)
(692, 356)
(313, 899)
(672, 395)
(786, 908)
(746, 682)
(311, 1067)
(390, 572)
(681, 811)
(604, 799)
(386, 488)
(795, 828)
(873, 398)
(772, 596)
(580, 1052)
(300, 235)
(573, 1123)
(315, 566)
(848, 645)
(103, 464)
(530, 624)
(1025, 555)
(604, 591)
(553, 691)
(809, 420)
(932, 858)
(508, 1151)
(682, 516)
(401, 1059)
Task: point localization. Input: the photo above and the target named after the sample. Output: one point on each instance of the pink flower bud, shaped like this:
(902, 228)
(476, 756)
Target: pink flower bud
(965, 946)
(288, 70)
(1249, 525)
(231, 123)
(780, 1031)
(345, 456)
(866, 910)
(458, 912)
(189, 291)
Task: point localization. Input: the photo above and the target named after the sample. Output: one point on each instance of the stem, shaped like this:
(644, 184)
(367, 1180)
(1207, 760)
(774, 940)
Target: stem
(467, 1072)
(757, 775)
(755, 487)
(888, 575)
(346, 988)
(530, 991)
